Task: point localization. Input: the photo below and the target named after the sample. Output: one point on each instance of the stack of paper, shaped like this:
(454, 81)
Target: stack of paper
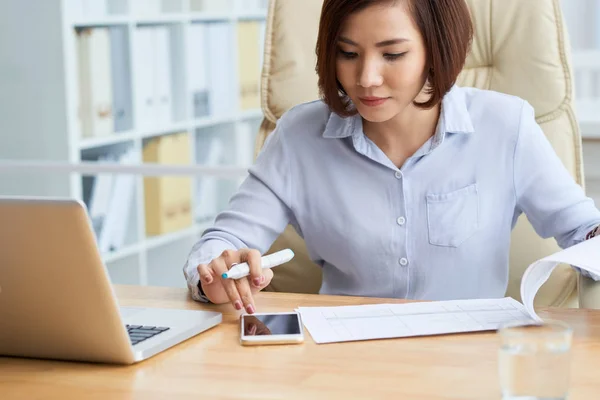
(349, 323)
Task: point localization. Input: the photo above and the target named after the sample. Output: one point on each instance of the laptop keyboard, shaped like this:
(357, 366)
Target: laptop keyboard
(139, 333)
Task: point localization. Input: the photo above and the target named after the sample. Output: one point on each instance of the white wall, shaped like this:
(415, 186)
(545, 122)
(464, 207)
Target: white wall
(582, 17)
(32, 101)
(583, 23)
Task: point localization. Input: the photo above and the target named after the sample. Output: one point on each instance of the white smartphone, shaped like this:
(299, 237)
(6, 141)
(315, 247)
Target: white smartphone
(271, 328)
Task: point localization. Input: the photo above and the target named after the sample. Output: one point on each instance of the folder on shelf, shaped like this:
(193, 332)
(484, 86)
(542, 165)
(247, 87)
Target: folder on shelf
(207, 190)
(144, 8)
(153, 77)
(95, 82)
(252, 5)
(221, 68)
(116, 221)
(167, 199)
(197, 69)
(99, 203)
(162, 75)
(121, 80)
(249, 64)
(212, 6)
(144, 76)
(244, 144)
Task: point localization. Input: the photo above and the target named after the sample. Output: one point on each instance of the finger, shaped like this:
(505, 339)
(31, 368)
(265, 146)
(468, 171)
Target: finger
(252, 257)
(231, 257)
(268, 276)
(243, 288)
(252, 330)
(263, 330)
(219, 267)
(205, 274)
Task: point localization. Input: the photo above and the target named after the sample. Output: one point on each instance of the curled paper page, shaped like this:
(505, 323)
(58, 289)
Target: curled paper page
(585, 256)
(381, 321)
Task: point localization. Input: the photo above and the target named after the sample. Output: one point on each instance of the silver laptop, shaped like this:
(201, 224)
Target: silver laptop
(56, 299)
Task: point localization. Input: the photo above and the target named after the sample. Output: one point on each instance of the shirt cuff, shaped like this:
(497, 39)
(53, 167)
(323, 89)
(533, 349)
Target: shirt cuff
(202, 254)
(593, 233)
(193, 283)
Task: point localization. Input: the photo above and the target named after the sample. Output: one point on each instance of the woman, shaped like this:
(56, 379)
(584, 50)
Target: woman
(401, 183)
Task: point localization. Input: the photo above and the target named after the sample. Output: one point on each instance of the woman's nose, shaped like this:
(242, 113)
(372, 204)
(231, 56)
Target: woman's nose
(370, 75)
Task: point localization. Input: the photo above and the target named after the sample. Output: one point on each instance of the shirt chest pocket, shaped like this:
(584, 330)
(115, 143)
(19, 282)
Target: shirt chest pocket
(452, 217)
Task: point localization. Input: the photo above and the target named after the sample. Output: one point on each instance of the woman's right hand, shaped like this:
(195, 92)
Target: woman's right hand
(240, 292)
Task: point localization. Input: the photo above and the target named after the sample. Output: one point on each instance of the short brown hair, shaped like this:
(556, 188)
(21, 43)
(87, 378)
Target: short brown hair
(446, 28)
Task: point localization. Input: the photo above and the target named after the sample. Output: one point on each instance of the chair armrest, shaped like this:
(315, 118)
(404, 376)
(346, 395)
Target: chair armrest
(589, 293)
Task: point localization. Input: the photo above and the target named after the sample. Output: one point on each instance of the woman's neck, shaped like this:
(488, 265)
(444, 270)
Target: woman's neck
(400, 137)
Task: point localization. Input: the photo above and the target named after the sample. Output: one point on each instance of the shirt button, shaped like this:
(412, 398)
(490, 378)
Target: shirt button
(401, 221)
(403, 261)
(399, 175)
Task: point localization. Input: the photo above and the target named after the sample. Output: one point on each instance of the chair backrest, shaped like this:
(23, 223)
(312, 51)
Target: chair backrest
(520, 48)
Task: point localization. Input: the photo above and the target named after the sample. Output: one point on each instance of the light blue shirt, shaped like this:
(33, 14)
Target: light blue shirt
(438, 228)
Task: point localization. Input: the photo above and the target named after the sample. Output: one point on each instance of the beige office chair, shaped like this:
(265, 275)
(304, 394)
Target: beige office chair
(520, 47)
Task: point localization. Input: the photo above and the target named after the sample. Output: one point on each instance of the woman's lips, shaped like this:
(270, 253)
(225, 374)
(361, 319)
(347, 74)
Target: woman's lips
(373, 101)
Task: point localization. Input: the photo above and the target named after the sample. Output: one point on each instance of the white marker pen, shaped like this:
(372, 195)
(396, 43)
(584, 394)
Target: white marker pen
(238, 271)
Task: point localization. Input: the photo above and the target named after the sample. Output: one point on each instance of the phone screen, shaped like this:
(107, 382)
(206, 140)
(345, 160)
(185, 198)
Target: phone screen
(271, 324)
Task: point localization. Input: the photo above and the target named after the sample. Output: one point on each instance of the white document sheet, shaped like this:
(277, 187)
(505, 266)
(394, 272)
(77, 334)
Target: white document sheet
(381, 321)
(585, 256)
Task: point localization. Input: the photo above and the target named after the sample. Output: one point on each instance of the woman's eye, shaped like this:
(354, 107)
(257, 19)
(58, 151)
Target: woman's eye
(348, 54)
(393, 57)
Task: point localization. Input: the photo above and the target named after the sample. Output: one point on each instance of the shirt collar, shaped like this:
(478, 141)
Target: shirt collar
(454, 118)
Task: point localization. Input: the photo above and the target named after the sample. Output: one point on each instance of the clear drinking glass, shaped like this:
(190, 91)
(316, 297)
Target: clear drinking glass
(534, 360)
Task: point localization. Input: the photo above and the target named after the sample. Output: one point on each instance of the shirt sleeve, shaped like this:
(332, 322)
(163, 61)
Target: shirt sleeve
(255, 216)
(553, 202)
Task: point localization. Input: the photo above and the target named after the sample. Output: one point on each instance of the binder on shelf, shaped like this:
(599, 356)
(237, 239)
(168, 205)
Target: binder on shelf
(221, 69)
(252, 5)
(95, 82)
(197, 69)
(207, 188)
(248, 33)
(144, 76)
(145, 8)
(172, 6)
(153, 77)
(244, 144)
(167, 199)
(121, 80)
(79, 10)
(162, 76)
(116, 221)
(211, 6)
(121, 203)
(99, 203)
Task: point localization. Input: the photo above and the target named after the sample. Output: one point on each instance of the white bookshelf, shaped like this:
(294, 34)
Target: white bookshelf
(40, 112)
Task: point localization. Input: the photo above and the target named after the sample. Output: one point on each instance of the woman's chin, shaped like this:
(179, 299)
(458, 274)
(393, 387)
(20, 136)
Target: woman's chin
(375, 115)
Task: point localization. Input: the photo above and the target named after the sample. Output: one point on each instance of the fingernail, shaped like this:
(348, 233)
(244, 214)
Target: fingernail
(257, 281)
(207, 279)
(250, 309)
(237, 305)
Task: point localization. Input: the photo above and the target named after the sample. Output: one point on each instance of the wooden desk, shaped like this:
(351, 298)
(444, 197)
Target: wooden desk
(214, 365)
